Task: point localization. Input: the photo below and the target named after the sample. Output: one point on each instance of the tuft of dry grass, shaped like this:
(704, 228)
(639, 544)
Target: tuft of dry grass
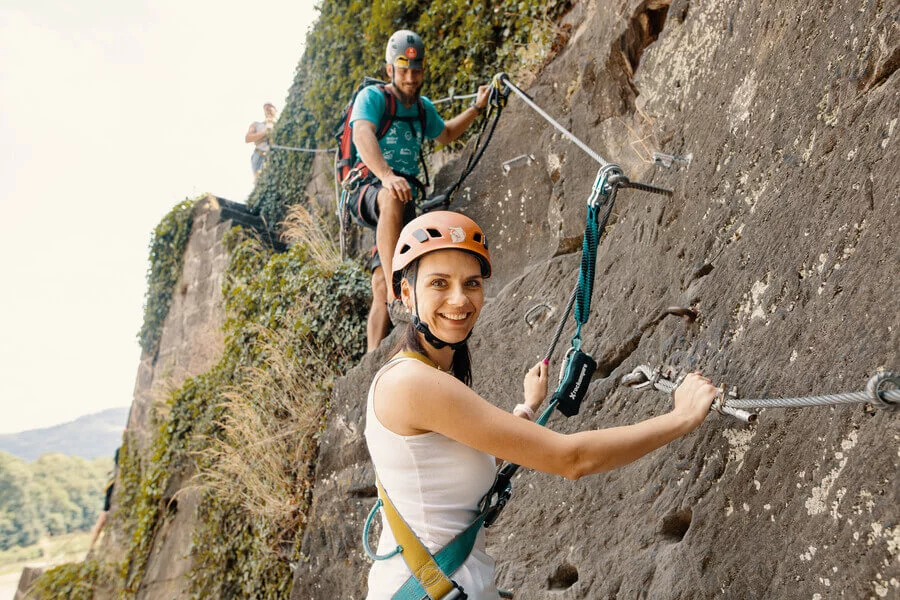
(302, 226)
(263, 458)
(642, 145)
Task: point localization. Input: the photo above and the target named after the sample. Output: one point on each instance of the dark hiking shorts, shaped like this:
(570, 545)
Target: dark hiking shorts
(363, 204)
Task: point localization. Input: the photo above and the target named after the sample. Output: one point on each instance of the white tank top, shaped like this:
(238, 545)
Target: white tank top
(435, 483)
(261, 144)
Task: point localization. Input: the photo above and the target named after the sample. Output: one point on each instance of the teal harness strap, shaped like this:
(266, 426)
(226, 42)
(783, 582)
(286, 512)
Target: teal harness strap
(452, 556)
(449, 558)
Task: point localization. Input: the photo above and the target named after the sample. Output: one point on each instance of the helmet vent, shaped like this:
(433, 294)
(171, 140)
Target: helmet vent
(404, 249)
(477, 237)
(434, 232)
(420, 236)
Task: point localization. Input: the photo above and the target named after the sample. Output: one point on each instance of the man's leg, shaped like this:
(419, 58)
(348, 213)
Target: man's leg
(390, 222)
(379, 322)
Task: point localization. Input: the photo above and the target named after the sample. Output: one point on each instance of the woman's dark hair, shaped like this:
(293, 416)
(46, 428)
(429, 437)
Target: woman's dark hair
(461, 366)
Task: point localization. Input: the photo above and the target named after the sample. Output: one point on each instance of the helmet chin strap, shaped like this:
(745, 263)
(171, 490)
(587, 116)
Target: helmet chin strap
(422, 327)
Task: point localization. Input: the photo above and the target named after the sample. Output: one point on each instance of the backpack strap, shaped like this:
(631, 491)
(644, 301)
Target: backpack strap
(389, 114)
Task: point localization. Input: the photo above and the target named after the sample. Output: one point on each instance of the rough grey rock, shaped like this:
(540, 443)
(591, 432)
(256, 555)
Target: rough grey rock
(782, 234)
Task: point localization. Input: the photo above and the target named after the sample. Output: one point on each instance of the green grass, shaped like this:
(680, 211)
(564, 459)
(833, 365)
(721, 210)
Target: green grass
(55, 550)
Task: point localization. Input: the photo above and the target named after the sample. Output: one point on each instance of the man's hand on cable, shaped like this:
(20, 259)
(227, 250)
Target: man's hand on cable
(398, 186)
(484, 92)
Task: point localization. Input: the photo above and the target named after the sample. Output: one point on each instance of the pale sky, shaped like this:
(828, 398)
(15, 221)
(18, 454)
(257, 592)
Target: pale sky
(112, 112)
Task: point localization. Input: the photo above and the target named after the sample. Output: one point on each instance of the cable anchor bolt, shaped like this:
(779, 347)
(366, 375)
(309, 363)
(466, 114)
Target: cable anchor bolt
(531, 313)
(523, 158)
(719, 405)
(661, 159)
(875, 389)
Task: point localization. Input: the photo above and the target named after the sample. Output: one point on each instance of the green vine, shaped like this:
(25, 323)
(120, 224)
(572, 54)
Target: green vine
(167, 246)
(70, 581)
(237, 554)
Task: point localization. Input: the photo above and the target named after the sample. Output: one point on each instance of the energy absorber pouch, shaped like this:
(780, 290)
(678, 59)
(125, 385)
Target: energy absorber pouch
(574, 382)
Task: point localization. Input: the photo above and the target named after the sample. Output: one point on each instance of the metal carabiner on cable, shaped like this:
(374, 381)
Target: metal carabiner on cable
(499, 91)
(603, 184)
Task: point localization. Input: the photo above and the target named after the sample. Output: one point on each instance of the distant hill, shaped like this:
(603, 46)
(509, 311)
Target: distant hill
(90, 436)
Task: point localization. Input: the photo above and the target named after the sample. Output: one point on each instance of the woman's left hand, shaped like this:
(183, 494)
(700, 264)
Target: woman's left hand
(536, 385)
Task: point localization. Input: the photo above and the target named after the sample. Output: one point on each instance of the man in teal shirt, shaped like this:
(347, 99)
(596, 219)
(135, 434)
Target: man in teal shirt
(386, 203)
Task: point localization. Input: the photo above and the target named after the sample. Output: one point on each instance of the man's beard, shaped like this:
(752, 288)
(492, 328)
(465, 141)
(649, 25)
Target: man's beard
(405, 98)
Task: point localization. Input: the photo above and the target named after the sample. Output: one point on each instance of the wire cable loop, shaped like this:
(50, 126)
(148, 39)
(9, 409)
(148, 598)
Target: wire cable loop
(877, 394)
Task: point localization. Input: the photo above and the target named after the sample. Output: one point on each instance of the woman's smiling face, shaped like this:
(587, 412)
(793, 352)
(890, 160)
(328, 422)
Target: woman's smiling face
(449, 293)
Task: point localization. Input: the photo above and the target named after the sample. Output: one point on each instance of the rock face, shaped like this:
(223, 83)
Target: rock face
(191, 343)
(191, 335)
(782, 234)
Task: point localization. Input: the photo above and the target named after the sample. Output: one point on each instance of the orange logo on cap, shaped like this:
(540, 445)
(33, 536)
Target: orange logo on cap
(410, 53)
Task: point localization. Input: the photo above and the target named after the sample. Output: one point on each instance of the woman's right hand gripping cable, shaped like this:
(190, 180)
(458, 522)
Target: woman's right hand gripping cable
(693, 399)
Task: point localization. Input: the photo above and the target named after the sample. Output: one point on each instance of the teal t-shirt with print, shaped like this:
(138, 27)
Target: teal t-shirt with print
(400, 145)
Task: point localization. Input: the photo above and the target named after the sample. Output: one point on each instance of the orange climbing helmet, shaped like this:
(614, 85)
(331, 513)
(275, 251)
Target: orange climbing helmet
(438, 230)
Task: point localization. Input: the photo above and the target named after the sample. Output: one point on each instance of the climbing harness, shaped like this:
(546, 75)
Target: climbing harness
(496, 104)
(664, 380)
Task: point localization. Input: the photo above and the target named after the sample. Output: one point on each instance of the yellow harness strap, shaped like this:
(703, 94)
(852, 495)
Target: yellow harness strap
(416, 355)
(418, 559)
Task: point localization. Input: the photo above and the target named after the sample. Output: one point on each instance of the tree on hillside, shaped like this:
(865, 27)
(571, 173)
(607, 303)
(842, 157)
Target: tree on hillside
(55, 494)
(19, 521)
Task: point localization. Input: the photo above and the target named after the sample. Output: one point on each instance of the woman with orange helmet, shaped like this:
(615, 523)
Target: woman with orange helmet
(433, 440)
